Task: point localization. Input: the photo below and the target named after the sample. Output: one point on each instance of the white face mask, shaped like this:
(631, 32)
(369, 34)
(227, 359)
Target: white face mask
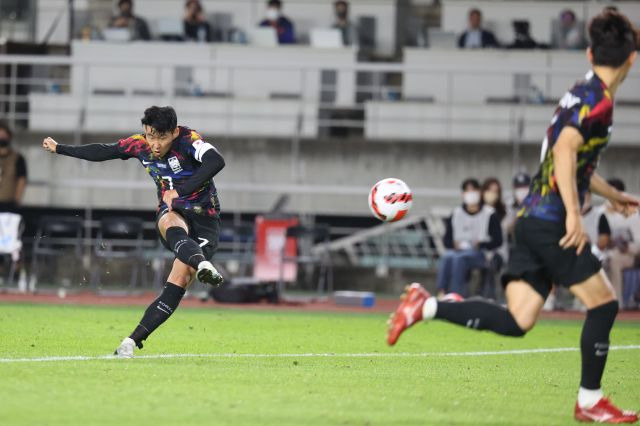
(273, 14)
(520, 194)
(471, 198)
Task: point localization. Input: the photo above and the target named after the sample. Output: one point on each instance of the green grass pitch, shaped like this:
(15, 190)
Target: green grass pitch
(528, 389)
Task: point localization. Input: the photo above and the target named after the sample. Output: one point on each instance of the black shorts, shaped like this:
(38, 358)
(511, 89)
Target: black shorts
(537, 258)
(204, 230)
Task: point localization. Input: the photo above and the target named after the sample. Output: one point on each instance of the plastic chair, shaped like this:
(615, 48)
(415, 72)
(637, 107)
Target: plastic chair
(57, 236)
(119, 238)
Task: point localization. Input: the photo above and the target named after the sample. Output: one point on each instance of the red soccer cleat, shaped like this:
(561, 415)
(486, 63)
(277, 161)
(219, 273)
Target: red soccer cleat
(408, 313)
(604, 412)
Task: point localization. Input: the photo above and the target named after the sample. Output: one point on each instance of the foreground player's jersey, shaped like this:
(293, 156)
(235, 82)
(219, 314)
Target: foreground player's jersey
(169, 172)
(589, 108)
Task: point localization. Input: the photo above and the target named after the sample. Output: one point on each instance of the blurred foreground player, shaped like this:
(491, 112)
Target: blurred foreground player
(551, 245)
(182, 166)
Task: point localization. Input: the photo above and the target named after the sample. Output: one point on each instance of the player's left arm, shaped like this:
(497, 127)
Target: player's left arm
(211, 164)
(621, 202)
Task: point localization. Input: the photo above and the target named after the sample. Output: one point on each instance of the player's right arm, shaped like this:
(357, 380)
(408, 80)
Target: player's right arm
(90, 152)
(565, 158)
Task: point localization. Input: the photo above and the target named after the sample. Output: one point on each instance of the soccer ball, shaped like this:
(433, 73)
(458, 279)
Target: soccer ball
(390, 199)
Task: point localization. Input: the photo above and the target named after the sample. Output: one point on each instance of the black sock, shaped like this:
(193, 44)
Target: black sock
(158, 312)
(480, 315)
(594, 343)
(185, 249)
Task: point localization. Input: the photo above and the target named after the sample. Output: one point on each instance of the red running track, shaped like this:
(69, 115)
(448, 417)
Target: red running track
(382, 305)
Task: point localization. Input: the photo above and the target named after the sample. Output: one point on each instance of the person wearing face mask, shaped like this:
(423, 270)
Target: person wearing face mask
(283, 26)
(126, 19)
(472, 229)
(344, 24)
(13, 172)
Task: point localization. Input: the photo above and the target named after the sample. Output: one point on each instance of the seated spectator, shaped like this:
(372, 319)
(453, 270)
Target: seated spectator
(196, 27)
(342, 22)
(624, 248)
(472, 230)
(492, 197)
(13, 172)
(567, 33)
(475, 36)
(283, 26)
(521, 182)
(137, 26)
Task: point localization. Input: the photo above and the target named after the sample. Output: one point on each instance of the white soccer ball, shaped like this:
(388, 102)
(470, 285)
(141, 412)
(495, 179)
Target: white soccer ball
(390, 199)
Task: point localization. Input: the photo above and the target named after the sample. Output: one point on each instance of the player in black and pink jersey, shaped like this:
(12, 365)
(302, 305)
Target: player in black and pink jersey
(182, 166)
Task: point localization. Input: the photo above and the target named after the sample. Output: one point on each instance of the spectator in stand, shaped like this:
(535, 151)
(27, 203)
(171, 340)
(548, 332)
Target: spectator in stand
(567, 33)
(344, 24)
(521, 182)
(472, 230)
(13, 172)
(492, 197)
(475, 36)
(126, 19)
(624, 248)
(196, 27)
(283, 26)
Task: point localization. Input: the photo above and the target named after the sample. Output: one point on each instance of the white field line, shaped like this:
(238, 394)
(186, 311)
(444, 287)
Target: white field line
(314, 355)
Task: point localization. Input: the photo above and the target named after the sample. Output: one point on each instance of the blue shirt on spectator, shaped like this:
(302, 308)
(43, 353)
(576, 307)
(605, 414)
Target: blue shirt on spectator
(284, 29)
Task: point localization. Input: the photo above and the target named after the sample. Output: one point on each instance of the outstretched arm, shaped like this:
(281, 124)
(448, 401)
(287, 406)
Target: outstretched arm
(90, 152)
(621, 202)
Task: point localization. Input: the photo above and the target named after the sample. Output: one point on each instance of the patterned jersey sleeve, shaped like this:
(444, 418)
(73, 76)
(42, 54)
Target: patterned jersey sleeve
(198, 147)
(131, 146)
(587, 115)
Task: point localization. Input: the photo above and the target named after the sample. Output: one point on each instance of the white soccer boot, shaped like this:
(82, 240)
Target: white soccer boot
(125, 350)
(208, 274)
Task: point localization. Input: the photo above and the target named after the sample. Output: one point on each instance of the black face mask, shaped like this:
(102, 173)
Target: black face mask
(341, 15)
(4, 143)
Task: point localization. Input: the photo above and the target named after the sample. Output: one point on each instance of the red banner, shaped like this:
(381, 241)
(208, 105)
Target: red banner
(270, 239)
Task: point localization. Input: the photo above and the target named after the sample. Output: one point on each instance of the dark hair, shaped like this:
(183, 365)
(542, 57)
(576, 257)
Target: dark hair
(475, 11)
(617, 183)
(121, 2)
(500, 208)
(341, 2)
(4, 126)
(473, 182)
(162, 119)
(276, 3)
(613, 38)
(196, 2)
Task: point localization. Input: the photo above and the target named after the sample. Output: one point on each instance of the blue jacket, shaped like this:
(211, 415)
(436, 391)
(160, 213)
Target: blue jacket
(284, 29)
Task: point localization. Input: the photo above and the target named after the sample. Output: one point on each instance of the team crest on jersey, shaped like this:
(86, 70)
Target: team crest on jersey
(174, 163)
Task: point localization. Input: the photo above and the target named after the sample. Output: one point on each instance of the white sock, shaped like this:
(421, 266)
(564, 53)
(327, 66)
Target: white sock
(587, 398)
(429, 308)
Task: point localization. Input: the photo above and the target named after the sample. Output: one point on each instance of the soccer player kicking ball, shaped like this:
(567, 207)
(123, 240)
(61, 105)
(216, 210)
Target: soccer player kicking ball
(182, 165)
(550, 242)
